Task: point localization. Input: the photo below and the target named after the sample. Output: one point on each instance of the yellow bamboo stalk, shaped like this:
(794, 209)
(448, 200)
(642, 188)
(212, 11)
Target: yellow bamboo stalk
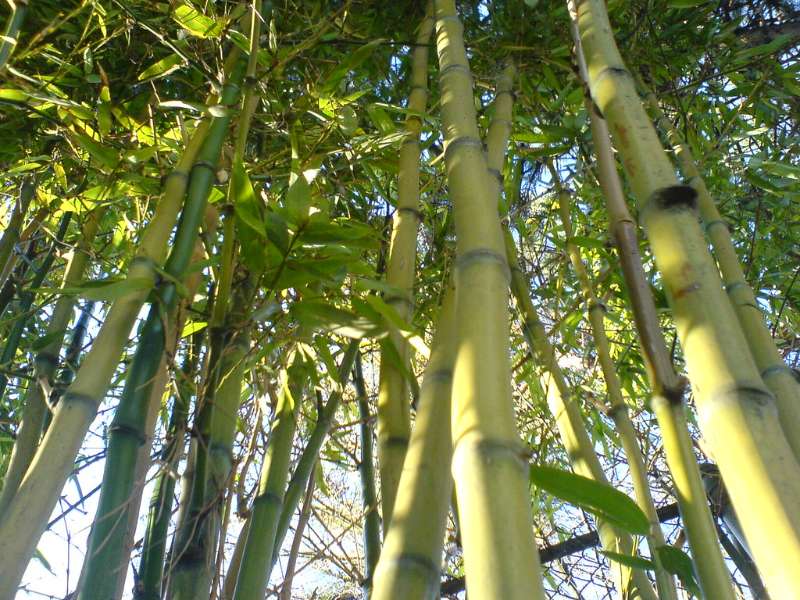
(410, 561)
(737, 413)
(774, 371)
(667, 387)
(617, 408)
(393, 395)
(489, 462)
(630, 583)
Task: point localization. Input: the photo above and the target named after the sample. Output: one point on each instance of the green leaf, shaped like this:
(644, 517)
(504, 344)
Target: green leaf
(44, 562)
(193, 327)
(635, 562)
(196, 22)
(686, 3)
(318, 314)
(245, 203)
(161, 68)
(598, 498)
(298, 200)
(678, 563)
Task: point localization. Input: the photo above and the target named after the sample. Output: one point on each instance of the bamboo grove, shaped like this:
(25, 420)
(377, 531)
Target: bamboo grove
(338, 299)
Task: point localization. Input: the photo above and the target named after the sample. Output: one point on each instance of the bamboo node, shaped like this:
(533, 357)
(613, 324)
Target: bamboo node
(455, 68)
(268, 498)
(439, 376)
(416, 561)
(674, 197)
(395, 440)
(715, 222)
(777, 368)
(479, 255)
(489, 450)
(78, 398)
(497, 175)
(124, 428)
(204, 163)
(464, 140)
(414, 211)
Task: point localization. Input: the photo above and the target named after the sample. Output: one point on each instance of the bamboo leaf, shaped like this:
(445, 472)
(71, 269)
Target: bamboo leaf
(600, 499)
(635, 562)
(678, 563)
(195, 22)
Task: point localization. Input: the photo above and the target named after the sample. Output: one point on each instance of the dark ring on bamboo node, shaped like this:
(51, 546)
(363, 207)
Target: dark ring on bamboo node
(674, 197)
(418, 561)
(395, 441)
(176, 173)
(483, 255)
(392, 298)
(128, 429)
(143, 260)
(511, 93)
(759, 395)
(449, 18)
(777, 369)
(493, 447)
(463, 69)
(204, 163)
(715, 222)
(597, 304)
(414, 211)
(249, 81)
(673, 394)
(439, 375)
(496, 174)
(220, 448)
(508, 122)
(614, 409)
(730, 287)
(613, 71)
(423, 88)
(47, 357)
(464, 140)
(267, 498)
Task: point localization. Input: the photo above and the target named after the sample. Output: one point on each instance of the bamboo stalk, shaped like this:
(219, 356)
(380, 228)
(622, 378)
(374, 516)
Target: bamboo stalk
(26, 517)
(128, 427)
(251, 583)
(45, 364)
(617, 408)
(11, 234)
(778, 377)
(410, 561)
(393, 392)
(489, 464)
(736, 411)
(151, 565)
(369, 496)
(26, 298)
(667, 387)
(305, 466)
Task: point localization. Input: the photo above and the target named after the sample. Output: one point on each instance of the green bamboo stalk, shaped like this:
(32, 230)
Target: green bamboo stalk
(617, 408)
(631, 583)
(12, 232)
(776, 374)
(26, 516)
(45, 364)
(489, 465)
(11, 34)
(251, 583)
(737, 413)
(411, 558)
(667, 387)
(25, 302)
(369, 496)
(305, 466)
(151, 564)
(9, 288)
(393, 393)
(127, 431)
(195, 543)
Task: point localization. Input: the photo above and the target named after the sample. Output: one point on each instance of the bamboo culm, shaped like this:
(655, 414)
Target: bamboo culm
(411, 557)
(776, 374)
(251, 582)
(366, 471)
(393, 392)
(26, 516)
(737, 413)
(489, 468)
(667, 388)
(45, 365)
